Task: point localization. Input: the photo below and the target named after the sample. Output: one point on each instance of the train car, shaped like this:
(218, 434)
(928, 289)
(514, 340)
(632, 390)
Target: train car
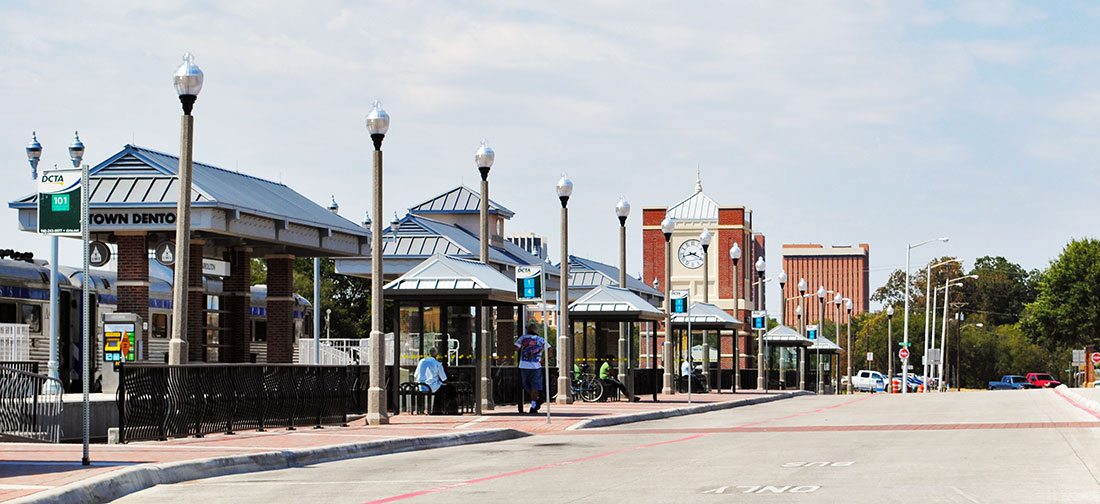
(24, 299)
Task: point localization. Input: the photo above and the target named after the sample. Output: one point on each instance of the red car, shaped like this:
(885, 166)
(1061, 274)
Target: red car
(1042, 380)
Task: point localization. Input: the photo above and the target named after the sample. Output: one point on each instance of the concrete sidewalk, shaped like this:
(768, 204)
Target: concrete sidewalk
(31, 472)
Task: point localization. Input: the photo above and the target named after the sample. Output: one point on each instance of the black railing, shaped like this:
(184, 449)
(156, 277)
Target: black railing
(25, 366)
(29, 411)
(158, 401)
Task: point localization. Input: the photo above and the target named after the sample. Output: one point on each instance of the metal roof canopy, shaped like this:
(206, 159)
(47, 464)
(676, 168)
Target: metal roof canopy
(587, 273)
(783, 336)
(136, 190)
(461, 199)
(613, 304)
(823, 345)
(447, 279)
(705, 316)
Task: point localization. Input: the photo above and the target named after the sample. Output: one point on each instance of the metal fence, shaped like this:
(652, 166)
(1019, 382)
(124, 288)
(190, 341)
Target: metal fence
(159, 401)
(28, 410)
(15, 342)
(334, 351)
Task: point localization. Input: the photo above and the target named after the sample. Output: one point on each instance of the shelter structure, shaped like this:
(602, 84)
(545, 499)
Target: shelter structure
(596, 319)
(780, 341)
(234, 218)
(706, 317)
(823, 351)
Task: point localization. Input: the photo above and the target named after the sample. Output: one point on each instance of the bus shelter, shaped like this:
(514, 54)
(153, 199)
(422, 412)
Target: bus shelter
(786, 344)
(822, 351)
(438, 304)
(705, 318)
(595, 321)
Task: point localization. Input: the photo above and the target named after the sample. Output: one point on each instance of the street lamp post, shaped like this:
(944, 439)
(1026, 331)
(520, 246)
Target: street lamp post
(837, 300)
(484, 158)
(848, 307)
(930, 342)
(908, 256)
(735, 257)
(801, 330)
(890, 343)
(820, 331)
(378, 123)
(565, 349)
(704, 240)
(188, 81)
(668, 225)
(943, 335)
(761, 378)
(782, 321)
(34, 154)
(622, 211)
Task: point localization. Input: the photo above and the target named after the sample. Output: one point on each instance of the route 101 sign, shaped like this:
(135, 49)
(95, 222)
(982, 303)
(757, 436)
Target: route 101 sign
(59, 202)
(529, 283)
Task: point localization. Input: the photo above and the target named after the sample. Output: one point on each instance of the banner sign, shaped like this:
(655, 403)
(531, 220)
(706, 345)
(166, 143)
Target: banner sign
(811, 332)
(59, 202)
(758, 320)
(530, 283)
(679, 300)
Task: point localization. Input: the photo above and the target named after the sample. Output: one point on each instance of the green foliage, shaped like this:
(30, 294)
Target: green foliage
(348, 298)
(1066, 311)
(259, 272)
(1000, 292)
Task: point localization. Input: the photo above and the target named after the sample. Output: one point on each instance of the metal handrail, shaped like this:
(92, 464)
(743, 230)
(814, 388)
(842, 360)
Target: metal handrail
(30, 406)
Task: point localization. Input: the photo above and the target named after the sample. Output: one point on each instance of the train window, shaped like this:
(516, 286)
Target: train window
(32, 316)
(160, 325)
(259, 330)
(8, 313)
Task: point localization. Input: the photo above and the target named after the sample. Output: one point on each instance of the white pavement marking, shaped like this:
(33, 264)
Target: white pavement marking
(473, 422)
(965, 496)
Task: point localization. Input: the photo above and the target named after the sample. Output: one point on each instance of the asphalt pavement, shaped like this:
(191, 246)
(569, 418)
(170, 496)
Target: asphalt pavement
(1005, 446)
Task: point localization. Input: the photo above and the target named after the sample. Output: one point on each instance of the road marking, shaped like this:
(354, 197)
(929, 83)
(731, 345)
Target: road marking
(1078, 405)
(817, 464)
(852, 428)
(473, 422)
(762, 489)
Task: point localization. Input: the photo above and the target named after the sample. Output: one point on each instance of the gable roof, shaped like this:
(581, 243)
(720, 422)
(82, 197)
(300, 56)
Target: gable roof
(705, 316)
(698, 208)
(823, 345)
(421, 237)
(782, 335)
(590, 273)
(613, 303)
(460, 200)
(443, 276)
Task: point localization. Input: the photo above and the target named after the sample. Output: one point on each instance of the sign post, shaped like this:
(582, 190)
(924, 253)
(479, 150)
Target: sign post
(531, 288)
(681, 304)
(811, 334)
(759, 323)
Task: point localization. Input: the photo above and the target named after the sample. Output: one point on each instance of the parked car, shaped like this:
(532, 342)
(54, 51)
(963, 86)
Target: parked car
(869, 381)
(1011, 382)
(1042, 380)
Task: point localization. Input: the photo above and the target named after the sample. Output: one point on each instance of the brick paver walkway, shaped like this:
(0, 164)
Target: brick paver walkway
(28, 468)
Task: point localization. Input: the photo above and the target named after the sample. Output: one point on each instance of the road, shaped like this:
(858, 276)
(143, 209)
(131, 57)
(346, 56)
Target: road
(1006, 446)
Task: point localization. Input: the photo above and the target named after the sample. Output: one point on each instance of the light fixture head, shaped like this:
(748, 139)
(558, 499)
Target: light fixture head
(564, 188)
(34, 154)
(366, 220)
(801, 285)
(378, 121)
(622, 209)
(188, 77)
(782, 277)
(760, 265)
(979, 324)
(798, 310)
(485, 155)
(668, 225)
(735, 252)
(837, 298)
(889, 311)
(821, 292)
(848, 305)
(76, 150)
(333, 206)
(944, 239)
(705, 237)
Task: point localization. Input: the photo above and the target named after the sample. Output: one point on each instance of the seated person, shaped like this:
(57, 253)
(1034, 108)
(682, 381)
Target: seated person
(609, 378)
(688, 373)
(430, 374)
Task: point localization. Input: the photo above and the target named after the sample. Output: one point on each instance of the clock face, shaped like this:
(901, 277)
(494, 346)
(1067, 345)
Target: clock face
(691, 254)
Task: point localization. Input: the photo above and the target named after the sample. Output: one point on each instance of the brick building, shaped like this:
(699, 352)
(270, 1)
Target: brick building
(728, 225)
(842, 269)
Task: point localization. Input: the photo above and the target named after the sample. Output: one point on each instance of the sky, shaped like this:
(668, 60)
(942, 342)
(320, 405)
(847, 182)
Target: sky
(836, 122)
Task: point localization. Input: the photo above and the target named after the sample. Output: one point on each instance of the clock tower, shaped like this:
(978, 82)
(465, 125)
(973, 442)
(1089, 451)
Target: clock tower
(728, 225)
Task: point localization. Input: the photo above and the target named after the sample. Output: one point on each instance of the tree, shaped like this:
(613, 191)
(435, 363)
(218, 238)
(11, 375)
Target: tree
(348, 297)
(893, 291)
(1000, 292)
(1066, 310)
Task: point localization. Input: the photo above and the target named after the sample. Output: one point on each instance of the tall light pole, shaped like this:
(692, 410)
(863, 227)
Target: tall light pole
(484, 158)
(735, 257)
(704, 240)
(188, 81)
(927, 311)
(378, 123)
(848, 307)
(820, 331)
(565, 348)
(761, 377)
(782, 321)
(908, 256)
(622, 211)
(837, 300)
(890, 343)
(34, 154)
(801, 330)
(668, 225)
(943, 335)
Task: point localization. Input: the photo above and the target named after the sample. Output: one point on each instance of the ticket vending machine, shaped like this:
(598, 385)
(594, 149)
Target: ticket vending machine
(120, 341)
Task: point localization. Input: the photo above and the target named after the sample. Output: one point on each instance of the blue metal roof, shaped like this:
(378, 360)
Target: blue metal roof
(460, 200)
(418, 236)
(579, 265)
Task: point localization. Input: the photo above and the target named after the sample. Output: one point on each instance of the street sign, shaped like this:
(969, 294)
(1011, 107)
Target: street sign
(811, 332)
(758, 320)
(99, 254)
(905, 344)
(934, 356)
(903, 353)
(1096, 357)
(1078, 357)
(529, 283)
(679, 300)
(215, 267)
(870, 356)
(59, 202)
(165, 253)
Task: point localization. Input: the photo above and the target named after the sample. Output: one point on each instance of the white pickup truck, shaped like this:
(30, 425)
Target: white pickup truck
(870, 381)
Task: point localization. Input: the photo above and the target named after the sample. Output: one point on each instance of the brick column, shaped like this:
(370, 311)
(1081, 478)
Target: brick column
(280, 306)
(196, 304)
(133, 280)
(238, 300)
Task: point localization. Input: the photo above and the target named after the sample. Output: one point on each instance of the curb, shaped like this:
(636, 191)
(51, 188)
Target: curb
(1089, 404)
(593, 423)
(115, 484)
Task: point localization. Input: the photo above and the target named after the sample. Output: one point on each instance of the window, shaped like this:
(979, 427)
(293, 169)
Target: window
(32, 316)
(160, 325)
(259, 330)
(8, 313)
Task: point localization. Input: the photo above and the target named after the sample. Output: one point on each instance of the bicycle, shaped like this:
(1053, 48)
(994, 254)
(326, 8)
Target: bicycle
(586, 387)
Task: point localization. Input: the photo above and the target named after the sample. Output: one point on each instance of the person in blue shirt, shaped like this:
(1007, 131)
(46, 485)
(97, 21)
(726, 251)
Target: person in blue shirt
(430, 374)
(530, 347)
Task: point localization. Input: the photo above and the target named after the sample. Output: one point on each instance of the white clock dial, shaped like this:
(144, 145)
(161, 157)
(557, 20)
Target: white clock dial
(691, 254)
